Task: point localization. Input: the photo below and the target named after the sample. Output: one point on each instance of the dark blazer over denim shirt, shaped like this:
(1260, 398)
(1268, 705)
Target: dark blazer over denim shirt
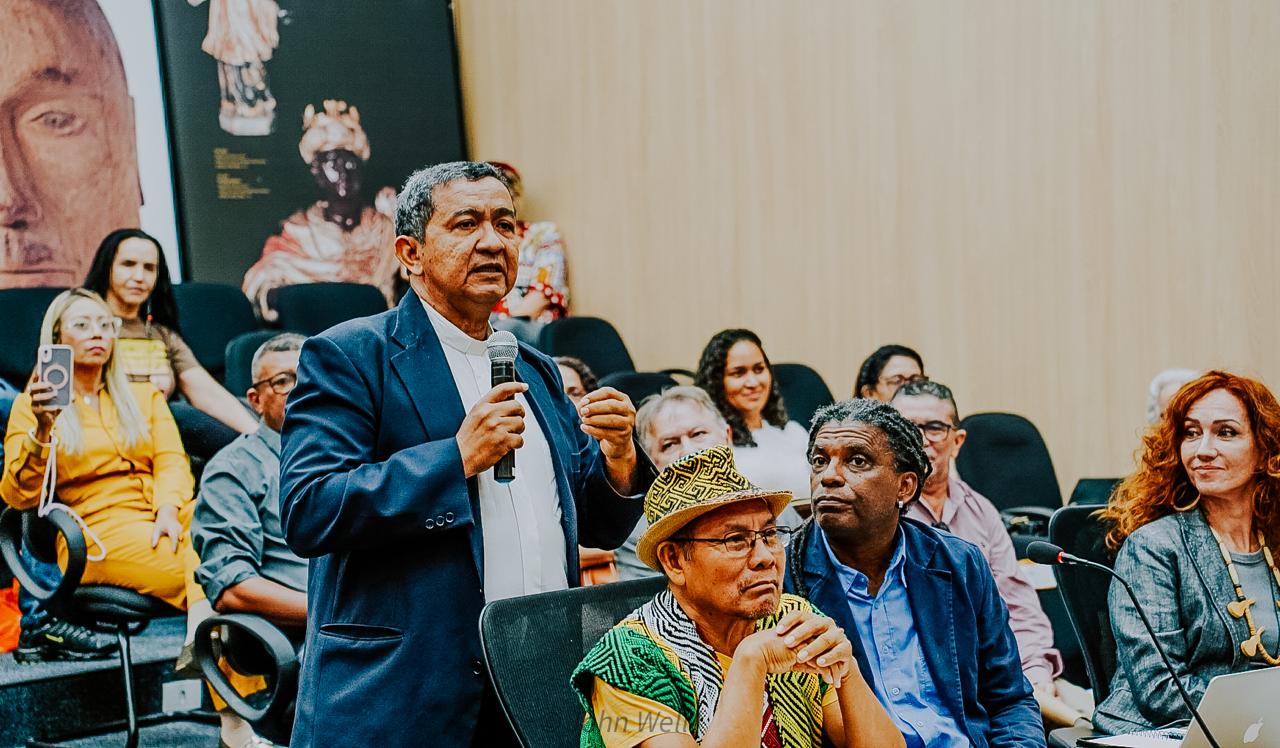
(373, 492)
(1177, 571)
(963, 627)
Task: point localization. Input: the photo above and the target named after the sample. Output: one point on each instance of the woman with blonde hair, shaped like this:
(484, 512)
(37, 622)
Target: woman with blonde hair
(119, 460)
(1195, 527)
(115, 459)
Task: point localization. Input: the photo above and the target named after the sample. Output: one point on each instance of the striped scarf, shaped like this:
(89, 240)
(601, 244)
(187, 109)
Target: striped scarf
(635, 656)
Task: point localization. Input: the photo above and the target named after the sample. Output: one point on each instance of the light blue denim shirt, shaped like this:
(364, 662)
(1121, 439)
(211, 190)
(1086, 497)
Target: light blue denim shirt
(900, 675)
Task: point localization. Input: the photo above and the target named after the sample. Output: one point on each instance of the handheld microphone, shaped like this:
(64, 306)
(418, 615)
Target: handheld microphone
(502, 348)
(1048, 553)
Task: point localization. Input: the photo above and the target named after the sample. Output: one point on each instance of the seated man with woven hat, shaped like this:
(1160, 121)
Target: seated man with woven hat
(721, 657)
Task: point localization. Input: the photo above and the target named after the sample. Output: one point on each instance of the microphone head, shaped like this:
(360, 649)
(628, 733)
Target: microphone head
(1044, 553)
(501, 347)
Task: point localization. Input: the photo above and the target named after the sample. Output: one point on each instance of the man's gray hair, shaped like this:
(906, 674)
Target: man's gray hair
(655, 404)
(285, 341)
(414, 206)
(1162, 380)
(928, 387)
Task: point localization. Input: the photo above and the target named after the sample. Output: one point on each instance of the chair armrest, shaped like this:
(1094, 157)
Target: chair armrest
(15, 526)
(1066, 737)
(278, 648)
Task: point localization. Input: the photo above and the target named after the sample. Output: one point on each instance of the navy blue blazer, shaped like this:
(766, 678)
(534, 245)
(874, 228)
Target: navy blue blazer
(963, 627)
(372, 491)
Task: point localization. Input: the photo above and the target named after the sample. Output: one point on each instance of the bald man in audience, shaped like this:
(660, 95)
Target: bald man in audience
(949, 504)
(671, 425)
(68, 158)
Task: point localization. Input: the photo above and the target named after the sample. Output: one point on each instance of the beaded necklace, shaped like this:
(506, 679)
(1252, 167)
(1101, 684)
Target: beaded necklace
(1240, 607)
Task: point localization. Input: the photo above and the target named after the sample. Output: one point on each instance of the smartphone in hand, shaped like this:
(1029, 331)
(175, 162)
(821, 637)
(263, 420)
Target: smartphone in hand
(54, 365)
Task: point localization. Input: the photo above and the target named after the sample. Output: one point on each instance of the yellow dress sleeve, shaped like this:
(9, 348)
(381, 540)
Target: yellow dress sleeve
(24, 461)
(627, 720)
(174, 484)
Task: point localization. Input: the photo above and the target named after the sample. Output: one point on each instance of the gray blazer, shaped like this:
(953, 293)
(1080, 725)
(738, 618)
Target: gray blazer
(1177, 571)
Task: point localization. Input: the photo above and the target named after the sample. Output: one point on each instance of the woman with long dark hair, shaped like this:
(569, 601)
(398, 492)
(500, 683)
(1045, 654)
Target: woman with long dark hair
(768, 448)
(1197, 527)
(129, 271)
(887, 369)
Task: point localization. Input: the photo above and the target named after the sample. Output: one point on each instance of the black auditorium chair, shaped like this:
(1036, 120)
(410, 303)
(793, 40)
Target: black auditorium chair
(311, 308)
(639, 385)
(803, 391)
(1084, 591)
(1093, 490)
(101, 607)
(251, 645)
(532, 644)
(591, 340)
(239, 358)
(210, 315)
(1005, 459)
(22, 310)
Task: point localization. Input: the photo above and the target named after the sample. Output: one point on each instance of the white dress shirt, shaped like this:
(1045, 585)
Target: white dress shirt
(524, 545)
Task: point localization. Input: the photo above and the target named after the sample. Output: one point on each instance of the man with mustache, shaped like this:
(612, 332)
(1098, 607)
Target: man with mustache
(385, 482)
(721, 657)
(68, 158)
(933, 635)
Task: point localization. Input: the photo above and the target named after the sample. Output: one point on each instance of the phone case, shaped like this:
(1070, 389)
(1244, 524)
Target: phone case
(55, 366)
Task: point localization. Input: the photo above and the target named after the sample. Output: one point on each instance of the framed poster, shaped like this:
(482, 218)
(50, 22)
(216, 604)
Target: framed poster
(86, 145)
(295, 123)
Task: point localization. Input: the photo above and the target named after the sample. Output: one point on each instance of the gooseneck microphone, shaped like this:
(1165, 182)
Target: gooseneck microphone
(502, 348)
(1048, 553)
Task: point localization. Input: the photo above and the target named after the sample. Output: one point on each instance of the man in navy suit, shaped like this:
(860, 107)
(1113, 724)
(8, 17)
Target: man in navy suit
(921, 608)
(386, 485)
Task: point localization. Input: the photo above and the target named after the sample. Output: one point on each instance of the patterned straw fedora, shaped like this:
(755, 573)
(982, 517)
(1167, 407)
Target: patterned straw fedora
(691, 487)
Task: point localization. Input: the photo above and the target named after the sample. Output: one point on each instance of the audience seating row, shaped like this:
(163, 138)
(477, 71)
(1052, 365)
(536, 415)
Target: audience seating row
(530, 641)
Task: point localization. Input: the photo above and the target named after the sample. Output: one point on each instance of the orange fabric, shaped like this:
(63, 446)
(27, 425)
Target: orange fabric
(10, 616)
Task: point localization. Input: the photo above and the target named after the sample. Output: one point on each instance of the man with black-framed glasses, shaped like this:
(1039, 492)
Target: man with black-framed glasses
(245, 565)
(948, 503)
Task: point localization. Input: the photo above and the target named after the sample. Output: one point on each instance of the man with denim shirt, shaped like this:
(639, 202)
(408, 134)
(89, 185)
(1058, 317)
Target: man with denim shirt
(932, 634)
(245, 566)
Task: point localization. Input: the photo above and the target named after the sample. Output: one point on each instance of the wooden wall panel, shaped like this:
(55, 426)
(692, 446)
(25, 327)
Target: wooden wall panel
(1050, 200)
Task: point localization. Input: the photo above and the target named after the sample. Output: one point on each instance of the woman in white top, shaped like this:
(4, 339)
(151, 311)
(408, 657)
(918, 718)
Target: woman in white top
(767, 448)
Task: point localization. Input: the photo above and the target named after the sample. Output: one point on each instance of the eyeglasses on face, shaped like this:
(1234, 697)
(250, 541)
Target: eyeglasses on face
(108, 326)
(740, 544)
(281, 383)
(934, 431)
(897, 380)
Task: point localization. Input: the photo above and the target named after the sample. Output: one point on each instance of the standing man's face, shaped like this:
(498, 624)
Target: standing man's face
(68, 160)
(468, 258)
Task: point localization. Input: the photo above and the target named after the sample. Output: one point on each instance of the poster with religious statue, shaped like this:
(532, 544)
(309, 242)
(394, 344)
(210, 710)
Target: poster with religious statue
(323, 108)
(85, 147)
(242, 36)
(341, 236)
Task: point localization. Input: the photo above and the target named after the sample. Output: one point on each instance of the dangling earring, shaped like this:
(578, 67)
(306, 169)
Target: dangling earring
(1194, 503)
(146, 313)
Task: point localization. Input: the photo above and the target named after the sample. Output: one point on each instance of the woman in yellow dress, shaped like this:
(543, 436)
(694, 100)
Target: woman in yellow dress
(120, 464)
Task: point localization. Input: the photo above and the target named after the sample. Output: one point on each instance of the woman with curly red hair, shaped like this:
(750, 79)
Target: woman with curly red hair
(1195, 528)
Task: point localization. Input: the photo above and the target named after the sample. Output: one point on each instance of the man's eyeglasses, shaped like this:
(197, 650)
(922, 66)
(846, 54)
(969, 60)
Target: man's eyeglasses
(934, 431)
(280, 384)
(740, 544)
(109, 326)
